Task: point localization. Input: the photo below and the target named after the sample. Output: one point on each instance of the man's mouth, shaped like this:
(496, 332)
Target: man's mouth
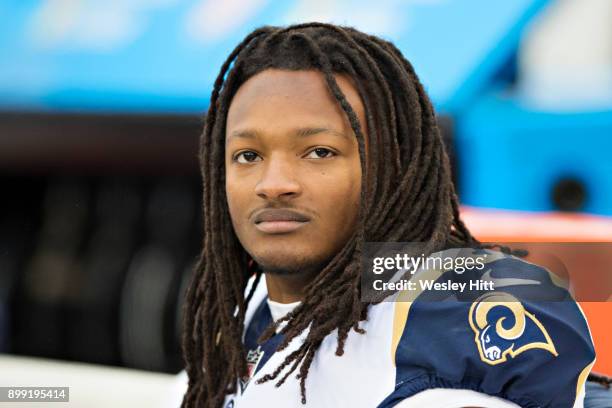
(279, 221)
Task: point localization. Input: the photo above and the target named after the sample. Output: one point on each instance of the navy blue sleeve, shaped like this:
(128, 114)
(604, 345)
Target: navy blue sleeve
(527, 341)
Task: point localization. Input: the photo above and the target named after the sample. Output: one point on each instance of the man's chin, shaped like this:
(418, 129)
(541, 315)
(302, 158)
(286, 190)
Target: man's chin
(289, 265)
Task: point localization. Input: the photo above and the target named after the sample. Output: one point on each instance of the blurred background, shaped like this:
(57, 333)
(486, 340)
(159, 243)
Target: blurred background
(102, 103)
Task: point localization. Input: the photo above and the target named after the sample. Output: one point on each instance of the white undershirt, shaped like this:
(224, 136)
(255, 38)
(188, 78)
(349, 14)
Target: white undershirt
(279, 310)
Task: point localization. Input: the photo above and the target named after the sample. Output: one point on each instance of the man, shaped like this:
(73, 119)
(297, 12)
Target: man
(318, 139)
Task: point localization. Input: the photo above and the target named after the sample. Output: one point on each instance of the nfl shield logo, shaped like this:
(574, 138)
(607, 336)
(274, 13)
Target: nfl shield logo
(253, 358)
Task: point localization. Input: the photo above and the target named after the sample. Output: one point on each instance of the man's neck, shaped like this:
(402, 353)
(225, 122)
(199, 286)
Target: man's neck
(286, 289)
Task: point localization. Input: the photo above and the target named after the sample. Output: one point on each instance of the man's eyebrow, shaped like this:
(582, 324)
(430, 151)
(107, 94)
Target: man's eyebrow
(243, 134)
(300, 132)
(311, 131)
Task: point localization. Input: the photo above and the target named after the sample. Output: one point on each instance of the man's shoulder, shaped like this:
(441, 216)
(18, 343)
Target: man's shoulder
(523, 338)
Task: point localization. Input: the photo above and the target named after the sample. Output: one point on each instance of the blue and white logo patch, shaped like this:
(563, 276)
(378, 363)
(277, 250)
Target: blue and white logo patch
(504, 328)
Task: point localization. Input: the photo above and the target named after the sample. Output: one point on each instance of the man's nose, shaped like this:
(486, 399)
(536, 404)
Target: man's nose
(278, 180)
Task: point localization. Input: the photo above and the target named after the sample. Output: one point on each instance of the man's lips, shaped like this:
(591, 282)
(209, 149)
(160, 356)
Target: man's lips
(279, 221)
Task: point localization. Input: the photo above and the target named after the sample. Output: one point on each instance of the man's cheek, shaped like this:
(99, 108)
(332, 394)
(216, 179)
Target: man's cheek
(234, 212)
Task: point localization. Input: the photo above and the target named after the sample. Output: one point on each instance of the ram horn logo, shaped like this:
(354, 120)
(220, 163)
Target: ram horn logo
(504, 328)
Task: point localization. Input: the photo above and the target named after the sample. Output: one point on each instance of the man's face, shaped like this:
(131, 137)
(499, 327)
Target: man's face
(293, 176)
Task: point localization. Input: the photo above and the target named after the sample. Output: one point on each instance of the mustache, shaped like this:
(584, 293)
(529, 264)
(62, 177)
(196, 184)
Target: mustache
(280, 213)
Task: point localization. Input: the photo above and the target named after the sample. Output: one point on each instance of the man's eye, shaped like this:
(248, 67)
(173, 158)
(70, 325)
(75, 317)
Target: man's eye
(320, 153)
(246, 157)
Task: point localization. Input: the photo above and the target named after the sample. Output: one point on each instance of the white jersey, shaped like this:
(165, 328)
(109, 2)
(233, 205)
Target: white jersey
(427, 353)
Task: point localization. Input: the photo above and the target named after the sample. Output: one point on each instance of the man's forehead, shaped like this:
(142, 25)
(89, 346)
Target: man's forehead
(275, 80)
(274, 95)
(281, 87)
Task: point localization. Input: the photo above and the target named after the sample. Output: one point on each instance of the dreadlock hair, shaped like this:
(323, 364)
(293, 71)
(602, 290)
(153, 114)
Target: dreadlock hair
(410, 199)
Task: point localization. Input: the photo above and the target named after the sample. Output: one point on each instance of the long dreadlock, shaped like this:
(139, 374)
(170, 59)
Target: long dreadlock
(410, 198)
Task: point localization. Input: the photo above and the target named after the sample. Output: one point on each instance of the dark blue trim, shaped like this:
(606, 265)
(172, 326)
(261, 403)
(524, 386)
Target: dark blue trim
(413, 386)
